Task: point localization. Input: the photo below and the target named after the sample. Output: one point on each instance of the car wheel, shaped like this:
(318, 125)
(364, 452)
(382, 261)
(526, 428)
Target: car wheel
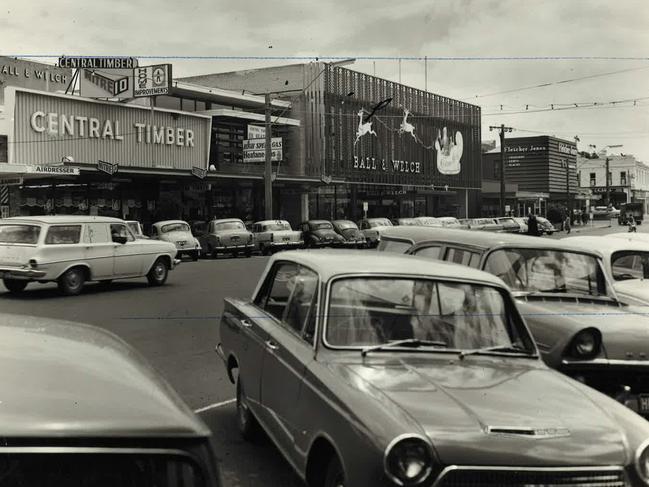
(235, 254)
(157, 276)
(213, 253)
(195, 255)
(264, 250)
(72, 281)
(15, 285)
(246, 421)
(334, 477)
(248, 253)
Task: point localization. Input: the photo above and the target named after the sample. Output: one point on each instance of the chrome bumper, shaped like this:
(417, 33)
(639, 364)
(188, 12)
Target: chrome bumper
(286, 244)
(20, 273)
(234, 247)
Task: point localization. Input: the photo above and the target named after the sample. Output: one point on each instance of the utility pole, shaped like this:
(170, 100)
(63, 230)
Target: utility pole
(268, 175)
(502, 129)
(426, 74)
(568, 201)
(608, 188)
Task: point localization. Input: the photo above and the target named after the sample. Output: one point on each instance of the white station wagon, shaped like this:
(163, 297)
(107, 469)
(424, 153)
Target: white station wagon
(72, 250)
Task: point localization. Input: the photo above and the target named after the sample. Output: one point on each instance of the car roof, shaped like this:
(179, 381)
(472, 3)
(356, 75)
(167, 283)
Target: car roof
(318, 221)
(62, 219)
(607, 245)
(330, 263)
(225, 220)
(165, 222)
(64, 378)
(478, 238)
(265, 222)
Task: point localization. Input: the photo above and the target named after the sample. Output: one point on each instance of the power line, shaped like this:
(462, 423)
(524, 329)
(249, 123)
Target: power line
(551, 83)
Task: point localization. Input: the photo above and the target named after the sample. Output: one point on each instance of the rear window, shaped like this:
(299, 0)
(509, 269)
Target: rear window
(396, 246)
(19, 234)
(63, 234)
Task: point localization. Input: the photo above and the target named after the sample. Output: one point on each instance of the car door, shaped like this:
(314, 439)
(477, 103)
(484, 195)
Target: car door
(288, 351)
(128, 258)
(99, 250)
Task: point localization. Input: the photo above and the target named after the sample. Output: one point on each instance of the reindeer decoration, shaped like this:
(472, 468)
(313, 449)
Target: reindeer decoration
(406, 127)
(363, 128)
(449, 152)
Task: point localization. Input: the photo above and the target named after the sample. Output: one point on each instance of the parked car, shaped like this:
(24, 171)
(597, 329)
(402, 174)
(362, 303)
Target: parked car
(320, 233)
(350, 232)
(226, 236)
(274, 235)
(509, 224)
(136, 229)
(372, 229)
(522, 224)
(81, 407)
(580, 325)
(626, 262)
(545, 226)
(486, 224)
(382, 371)
(404, 221)
(72, 250)
(450, 222)
(428, 221)
(178, 233)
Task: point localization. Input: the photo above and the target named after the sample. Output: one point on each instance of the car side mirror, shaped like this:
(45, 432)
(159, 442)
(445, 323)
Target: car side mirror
(120, 239)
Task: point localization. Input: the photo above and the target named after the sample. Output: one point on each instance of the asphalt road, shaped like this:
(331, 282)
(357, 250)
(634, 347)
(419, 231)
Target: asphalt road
(175, 327)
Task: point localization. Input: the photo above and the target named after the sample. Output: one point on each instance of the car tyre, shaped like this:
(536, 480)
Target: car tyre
(248, 253)
(246, 421)
(334, 476)
(72, 281)
(264, 250)
(195, 255)
(15, 285)
(159, 272)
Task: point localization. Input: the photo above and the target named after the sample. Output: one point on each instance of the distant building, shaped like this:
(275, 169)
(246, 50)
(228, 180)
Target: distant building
(628, 178)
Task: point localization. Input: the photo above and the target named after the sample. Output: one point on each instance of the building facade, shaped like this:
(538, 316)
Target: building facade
(544, 170)
(366, 142)
(628, 179)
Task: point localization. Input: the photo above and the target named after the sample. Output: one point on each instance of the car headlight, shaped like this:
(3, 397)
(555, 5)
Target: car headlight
(642, 462)
(408, 460)
(586, 344)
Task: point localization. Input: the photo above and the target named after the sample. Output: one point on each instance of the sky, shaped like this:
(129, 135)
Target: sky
(477, 49)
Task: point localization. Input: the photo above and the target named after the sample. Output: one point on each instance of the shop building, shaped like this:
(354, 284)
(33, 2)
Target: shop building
(628, 179)
(367, 142)
(542, 172)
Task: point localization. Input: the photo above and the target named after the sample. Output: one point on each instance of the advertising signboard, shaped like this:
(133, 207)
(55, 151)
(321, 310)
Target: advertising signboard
(152, 80)
(254, 150)
(53, 126)
(32, 75)
(256, 132)
(100, 83)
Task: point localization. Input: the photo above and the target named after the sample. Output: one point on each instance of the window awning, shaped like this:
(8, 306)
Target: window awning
(257, 117)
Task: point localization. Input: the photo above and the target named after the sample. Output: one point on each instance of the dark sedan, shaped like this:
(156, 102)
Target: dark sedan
(320, 233)
(354, 238)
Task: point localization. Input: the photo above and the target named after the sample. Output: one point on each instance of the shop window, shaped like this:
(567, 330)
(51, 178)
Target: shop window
(63, 234)
(623, 178)
(593, 179)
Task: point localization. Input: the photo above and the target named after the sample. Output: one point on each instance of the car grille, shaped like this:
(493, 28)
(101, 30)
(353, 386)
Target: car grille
(98, 470)
(529, 478)
(611, 382)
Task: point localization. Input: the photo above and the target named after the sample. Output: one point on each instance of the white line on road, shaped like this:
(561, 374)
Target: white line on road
(214, 406)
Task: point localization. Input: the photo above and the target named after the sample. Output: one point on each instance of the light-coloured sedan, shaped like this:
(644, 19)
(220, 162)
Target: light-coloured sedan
(273, 235)
(178, 233)
(227, 236)
(372, 229)
(72, 249)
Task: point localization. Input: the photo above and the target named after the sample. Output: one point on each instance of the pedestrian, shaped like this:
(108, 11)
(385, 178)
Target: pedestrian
(632, 226)
(566, 224)
(532, 225)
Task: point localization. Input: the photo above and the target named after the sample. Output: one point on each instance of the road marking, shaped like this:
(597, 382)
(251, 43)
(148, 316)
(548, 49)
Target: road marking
(214, 406)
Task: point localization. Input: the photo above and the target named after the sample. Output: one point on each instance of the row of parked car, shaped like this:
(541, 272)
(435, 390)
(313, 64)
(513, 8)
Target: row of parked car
(450, 358)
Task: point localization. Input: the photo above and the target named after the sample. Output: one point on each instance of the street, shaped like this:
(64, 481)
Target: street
(175, 327)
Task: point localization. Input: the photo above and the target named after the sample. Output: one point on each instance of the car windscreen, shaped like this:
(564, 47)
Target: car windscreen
(219, 227)
(276, 227)
(434, 222)
(406, 222)
(175, 227)
(548, 271)
(320, 226)
(366, 311)
(396, 246)
(345, 225)
(19, 234)
(630, 264)
(383, 222)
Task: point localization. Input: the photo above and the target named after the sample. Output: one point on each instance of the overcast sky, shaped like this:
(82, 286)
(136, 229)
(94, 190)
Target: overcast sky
(363, 28)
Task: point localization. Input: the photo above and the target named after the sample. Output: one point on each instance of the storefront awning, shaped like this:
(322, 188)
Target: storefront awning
(33, 171)
(257, 117)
